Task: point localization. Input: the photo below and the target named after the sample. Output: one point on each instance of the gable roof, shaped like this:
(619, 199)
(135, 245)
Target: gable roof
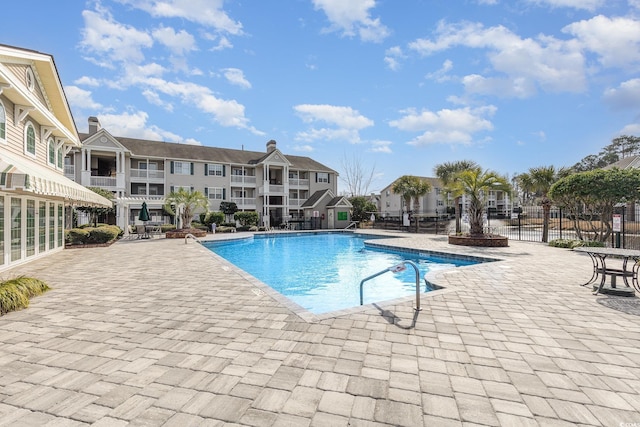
(56, 113)
(316, 197)
(626, 163)
(172, 150)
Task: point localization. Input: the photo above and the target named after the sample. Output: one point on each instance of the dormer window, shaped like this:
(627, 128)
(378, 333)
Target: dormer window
(30, 79)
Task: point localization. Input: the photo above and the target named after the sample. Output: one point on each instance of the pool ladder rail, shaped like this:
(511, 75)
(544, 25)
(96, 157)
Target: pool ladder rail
(396, 269)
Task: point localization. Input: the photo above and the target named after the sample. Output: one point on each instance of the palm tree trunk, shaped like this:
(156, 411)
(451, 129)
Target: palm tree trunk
(458, 215)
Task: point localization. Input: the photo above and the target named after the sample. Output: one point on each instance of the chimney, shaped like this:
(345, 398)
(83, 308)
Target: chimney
(94, 125)
(271, 146)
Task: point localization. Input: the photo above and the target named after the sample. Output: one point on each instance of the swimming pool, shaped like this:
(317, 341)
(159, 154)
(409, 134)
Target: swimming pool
(321, 272)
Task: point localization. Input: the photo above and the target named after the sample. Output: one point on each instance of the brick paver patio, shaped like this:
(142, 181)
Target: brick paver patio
(163, 333)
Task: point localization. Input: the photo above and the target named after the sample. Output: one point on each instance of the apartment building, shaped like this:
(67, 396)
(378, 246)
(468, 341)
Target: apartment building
(435, 203)
(275, 185)
(36, 132)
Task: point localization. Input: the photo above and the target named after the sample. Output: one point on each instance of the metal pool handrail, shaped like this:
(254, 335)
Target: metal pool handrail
(396, 269)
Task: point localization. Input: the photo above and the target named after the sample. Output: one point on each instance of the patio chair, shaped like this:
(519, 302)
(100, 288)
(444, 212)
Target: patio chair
(141, 232)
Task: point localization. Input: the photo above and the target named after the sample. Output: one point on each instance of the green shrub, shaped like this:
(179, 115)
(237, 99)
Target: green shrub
(570, 244)
(167, 227)
(214, 217)
(103, 234)
(247, 218)
(244, 228)
(76, 236)
(15, 293)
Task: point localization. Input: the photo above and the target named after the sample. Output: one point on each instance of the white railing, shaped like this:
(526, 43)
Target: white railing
(147, 174)
(299, 182)
(244, 202)
(70, 171)
(103, 181)
(272, 189)
(296, 202)
(242, 179)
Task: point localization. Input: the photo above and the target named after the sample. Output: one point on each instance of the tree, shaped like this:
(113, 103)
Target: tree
(476, 184)
(247, 218)
(411, 187)
(228, 208)
(362, 208)
(447, 172)
(95, 212)
(185, 202)
(538, 181)
(356, 177)
(592, 196)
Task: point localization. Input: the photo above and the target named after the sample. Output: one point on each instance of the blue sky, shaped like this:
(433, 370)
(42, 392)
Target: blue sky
(397, 86)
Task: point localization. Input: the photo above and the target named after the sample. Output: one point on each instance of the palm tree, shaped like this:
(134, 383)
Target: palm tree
(404, 187)
(476, 184)
(420, 187)
(447, 172)
(189, 201)
(538, 181)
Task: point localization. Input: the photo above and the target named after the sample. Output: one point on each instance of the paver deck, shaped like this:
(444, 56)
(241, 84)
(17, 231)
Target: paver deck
(163, 333)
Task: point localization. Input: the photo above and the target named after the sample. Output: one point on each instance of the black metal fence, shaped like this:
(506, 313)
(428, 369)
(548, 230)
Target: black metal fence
(526, 224)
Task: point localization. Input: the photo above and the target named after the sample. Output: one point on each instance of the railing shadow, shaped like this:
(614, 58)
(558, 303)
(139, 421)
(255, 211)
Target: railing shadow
(390, 317)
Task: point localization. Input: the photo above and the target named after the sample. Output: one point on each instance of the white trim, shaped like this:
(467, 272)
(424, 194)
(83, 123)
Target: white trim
(21, 111)
(24, 140)
(3, 140)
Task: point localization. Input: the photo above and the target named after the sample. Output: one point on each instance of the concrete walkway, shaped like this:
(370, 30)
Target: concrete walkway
(163, 333)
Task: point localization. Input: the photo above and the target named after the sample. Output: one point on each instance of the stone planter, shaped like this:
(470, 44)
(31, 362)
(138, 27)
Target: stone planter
(181, 234)
(487, 240)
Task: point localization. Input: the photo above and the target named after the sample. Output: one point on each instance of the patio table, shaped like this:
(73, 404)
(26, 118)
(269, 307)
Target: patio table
(601, 269)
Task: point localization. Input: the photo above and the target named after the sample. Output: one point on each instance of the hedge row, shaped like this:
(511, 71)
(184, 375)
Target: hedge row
(15, 293)
(570, 244)
(89, 235)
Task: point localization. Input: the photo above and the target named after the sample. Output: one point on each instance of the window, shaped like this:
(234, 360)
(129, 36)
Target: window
(16, 229)
(322, 177)
(42, 227)
(30, 139)
(1, 230)
(52, 151)
(60, 158)
(214, 170)
(31, 227)
(177, 188)
(52, 226)
(343, 216)
(182, 168)
(3, 124)
(215, 193)
(30, 78)
(238, 172)
(60, 225)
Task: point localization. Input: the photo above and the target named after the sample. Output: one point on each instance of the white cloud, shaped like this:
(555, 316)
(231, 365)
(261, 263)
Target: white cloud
(589, 5)
(381, 146)
(353, 17)
(546, 62)
(87, 81)
(631, 129)
(616, 41)
(113, 41)
(303, 148)
(80, 98)
(392, 57)
(625, 96)
(179, 42)
(445, 126)
(223, 43)
(345, 122)
(208, 13)
(441, 75)
(153, 97)
(134, 125)
(235, 76)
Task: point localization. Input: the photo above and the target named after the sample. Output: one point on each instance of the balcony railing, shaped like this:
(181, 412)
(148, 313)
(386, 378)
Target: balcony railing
(147, 174)
(70, 172)
(103, 181)
(244, 202)
(272, 189)
(243, 179)
(296, 202)
(299, 182)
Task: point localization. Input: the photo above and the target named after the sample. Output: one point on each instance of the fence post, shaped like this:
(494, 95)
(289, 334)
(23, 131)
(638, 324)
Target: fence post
(560, 213)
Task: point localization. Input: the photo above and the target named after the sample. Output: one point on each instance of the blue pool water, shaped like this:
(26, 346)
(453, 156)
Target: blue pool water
(322, 272)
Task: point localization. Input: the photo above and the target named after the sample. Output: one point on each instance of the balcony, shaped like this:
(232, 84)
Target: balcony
(244, 202)
(296, 203)
(70, 172)
(243, 180)
(272, 190)
(295, 182)
(103, 181)
(147, 175)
